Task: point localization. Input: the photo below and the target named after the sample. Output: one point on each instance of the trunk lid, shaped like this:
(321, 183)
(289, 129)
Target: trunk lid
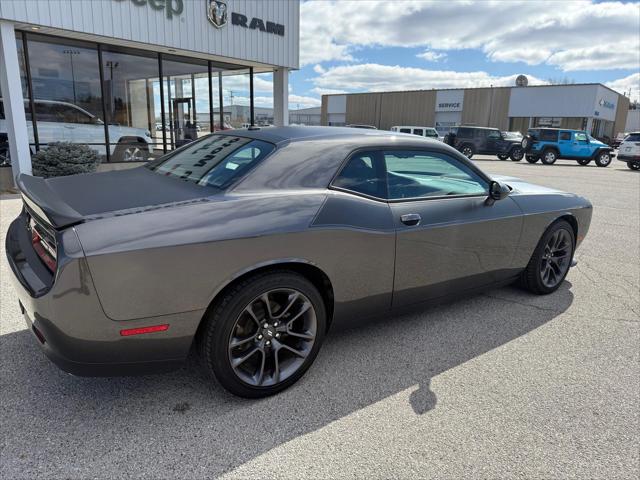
(67, 201)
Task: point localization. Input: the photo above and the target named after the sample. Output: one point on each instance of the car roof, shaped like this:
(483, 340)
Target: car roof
(474, 126)
(412, 126)
(557, 129)
(289, 134)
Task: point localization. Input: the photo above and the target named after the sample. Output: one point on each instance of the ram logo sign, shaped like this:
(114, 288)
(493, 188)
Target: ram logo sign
(217, 13)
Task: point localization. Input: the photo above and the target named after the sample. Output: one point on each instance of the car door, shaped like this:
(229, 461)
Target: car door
(83, 128)
(566, 144)
(449, 238)
(493, 143)
(581, 147)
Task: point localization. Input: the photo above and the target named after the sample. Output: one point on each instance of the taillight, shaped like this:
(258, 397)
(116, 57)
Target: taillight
(45, 251)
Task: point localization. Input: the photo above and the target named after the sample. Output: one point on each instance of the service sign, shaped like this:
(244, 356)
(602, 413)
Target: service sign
(449, 100)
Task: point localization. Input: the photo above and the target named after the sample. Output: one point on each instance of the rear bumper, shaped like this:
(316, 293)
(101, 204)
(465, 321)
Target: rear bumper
(70, 326)
(628, 158)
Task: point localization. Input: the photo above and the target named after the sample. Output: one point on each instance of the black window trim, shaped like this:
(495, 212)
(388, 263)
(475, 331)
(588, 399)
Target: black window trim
(380, 150)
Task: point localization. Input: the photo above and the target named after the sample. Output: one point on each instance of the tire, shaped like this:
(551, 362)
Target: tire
(633, 165)
(534, 276)
(531, 158)
(526, 143)
(502, 156)
(131, 151)
(549, 156)
(584, 161)
(273, 343)
(467, 150)
(516, 154)
(603, 159)
(450, 139)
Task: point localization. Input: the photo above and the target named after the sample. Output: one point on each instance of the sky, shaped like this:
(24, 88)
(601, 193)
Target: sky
(362, 45)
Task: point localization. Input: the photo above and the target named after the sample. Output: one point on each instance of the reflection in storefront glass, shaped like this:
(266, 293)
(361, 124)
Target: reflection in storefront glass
(131, 86)
(66, 90)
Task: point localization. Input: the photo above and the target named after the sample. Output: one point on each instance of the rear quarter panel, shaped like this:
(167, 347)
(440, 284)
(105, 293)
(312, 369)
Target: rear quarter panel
(176, 260)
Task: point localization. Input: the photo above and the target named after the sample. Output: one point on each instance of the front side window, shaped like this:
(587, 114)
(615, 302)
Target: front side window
(494, 135)
(418, 174)
(581, 137)
(214, 161)
(362, 174)
(418, 131)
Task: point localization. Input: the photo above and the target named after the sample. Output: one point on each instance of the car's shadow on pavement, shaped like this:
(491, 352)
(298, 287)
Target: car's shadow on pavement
(184, 424)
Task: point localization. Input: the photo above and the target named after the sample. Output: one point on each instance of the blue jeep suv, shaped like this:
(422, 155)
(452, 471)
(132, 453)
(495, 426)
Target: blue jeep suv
(550, 144)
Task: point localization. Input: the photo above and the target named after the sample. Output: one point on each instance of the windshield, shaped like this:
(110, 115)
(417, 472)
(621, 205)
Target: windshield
(215, 161)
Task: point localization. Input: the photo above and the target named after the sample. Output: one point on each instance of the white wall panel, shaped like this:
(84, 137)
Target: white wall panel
(553, 101)
(190, 30)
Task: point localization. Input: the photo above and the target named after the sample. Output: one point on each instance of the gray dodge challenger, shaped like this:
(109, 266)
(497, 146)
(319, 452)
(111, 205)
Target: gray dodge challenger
(248, 245)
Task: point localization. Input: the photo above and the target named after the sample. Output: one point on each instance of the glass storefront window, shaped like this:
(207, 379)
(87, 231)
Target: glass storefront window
(132, 96)
(66, 89)
(130, 112)
(186, 100)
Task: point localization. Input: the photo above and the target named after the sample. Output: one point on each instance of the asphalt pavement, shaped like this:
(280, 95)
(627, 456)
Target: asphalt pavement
(501, 385)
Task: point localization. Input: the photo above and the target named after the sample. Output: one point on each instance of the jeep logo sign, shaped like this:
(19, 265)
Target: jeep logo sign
(217, 13)
(171, 7)
(605, 104)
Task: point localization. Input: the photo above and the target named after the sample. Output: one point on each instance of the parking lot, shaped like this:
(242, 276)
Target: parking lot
(503, 384)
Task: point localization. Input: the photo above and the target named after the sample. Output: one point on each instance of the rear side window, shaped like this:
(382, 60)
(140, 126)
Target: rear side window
(565, 135)
(405, 130)
(1, 110)
(633, 137)
(548, 135)
(362, 174)
(418, 131)
(465, 133)
(214, 161)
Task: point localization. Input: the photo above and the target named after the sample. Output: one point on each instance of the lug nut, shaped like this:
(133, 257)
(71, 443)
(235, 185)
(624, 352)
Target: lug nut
(260, 337)
(267, 343)
(277, 335)
(266, 325)
(275, 324)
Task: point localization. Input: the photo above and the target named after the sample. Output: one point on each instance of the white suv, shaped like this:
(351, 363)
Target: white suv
(66, 122)
(629, 151)
(428, 132)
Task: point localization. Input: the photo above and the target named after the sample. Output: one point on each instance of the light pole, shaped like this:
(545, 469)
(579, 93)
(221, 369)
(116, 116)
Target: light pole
(111, 64)
(71, 53)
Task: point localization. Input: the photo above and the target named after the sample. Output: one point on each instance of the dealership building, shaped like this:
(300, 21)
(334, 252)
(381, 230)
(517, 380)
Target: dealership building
(136, 78)
(592, 107)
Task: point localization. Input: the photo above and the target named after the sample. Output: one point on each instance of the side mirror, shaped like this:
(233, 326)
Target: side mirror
(497, 191)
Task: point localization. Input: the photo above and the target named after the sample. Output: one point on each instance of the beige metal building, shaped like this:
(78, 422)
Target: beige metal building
(591, 107)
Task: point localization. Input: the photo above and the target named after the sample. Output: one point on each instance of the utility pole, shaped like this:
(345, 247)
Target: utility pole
(71, 53)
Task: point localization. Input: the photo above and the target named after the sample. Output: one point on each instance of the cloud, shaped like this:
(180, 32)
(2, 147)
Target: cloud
(318, 68)
(431, 56)
(626, 84)
(574, 35)
(374, 78)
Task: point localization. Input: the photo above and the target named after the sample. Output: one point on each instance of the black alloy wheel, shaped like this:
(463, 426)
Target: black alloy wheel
(502, 156)
(467, 151)
(516, 154)
(584, 161)
(633, 165)
(263, 334)
(272, 337)
(551, 259)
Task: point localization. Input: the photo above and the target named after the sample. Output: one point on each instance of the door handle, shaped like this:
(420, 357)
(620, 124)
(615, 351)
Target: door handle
(410, 219)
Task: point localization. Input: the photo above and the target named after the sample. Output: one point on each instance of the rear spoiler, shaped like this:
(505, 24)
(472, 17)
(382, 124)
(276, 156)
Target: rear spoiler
(46, 203)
